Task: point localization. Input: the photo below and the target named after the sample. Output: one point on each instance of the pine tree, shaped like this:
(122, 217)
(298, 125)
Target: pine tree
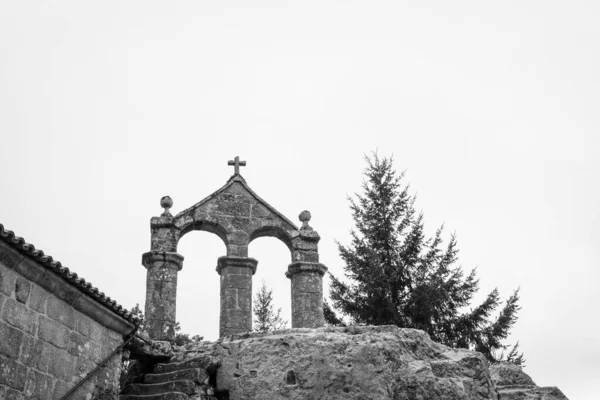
(265, 317)
(399, 276)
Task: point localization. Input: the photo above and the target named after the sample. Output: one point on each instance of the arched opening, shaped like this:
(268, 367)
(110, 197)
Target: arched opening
(198, 286)
(273, 259)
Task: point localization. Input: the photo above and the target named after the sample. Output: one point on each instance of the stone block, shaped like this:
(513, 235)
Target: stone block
(234, 250)
(239, 271)
(307, 302)
(53, 332)
(239, 238)
(244, 299)
(9, 257)
(22, 289)
(236, 281)
(83, 367)
(310, 282)
(37, 299)
(78, 344)
(108, 346)
(60, 389)
(259, 211)
(162, 273)
(305, 255)
(58, 287)
(39, 385)
(30, 269)
(84, 325)
(8, 281)
(11, 339)
(241, 223)
(62, 365)
(305, 245)
(12, 394)
(36, 353)
(19, 315)
(97, 332)
(12, 374)
(233, 209)
(229, 299)
(235, 318)
(61, 312)
(94, 352)
(85, 392)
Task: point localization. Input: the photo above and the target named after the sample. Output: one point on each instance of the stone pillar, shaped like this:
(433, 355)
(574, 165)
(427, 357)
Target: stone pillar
(307, 294)
(236, 294)
(161, 293)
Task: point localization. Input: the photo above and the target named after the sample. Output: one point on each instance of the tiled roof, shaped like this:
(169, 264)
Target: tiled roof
(87, 288)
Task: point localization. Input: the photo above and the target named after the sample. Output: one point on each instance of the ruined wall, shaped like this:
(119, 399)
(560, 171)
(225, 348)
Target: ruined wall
(52, 337)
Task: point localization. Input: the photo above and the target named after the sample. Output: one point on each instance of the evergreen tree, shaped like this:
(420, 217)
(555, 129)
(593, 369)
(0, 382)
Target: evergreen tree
(265, 317)
(399, 276)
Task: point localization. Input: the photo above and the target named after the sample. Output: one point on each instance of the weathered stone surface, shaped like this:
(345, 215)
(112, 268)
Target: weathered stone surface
(19, 315)
(193, 374)
(8, 279)
(39, 385)
(514, 384)
(509, 374)
(57, 311)
(12, 374)
(22, 289)
(349, 363)
(182, 386)
(161, 293)
(53, 332)
(62, 365)
(307, 294)
(38, 299)
(11, 340)
(36, 353)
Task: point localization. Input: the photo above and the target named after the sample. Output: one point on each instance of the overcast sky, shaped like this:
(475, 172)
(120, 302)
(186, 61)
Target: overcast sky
(492, 110)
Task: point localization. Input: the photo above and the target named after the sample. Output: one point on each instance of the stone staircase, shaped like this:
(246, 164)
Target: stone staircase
(175, 381)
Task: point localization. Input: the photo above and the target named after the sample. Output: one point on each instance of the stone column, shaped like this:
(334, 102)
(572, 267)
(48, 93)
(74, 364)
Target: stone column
(307, 294)
(161, 293)
(236, 294)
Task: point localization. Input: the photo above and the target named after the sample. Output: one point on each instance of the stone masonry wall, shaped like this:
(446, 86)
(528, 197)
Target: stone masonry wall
(46, 345)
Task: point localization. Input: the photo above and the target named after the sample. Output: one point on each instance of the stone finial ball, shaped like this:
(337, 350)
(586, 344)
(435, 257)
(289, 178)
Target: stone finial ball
(166, 202)
(304, 216)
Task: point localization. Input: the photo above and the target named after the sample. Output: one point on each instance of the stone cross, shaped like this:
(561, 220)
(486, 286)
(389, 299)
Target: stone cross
(236, 162)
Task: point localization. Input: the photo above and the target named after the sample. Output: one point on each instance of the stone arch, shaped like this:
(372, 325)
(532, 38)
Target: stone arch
(198, 284)
(201, 225)
(238, 216)
(275, 232)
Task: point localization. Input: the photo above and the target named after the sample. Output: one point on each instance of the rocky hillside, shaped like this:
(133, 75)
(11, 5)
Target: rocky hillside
(382, 362)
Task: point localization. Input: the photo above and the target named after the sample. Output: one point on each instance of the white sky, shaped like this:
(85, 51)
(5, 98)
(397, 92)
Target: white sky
(491, 108)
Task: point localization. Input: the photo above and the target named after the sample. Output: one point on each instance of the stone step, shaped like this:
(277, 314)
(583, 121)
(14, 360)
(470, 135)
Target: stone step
(205, 362)
(162, 396)
(183, 386)
(193, 374)
(167, 396)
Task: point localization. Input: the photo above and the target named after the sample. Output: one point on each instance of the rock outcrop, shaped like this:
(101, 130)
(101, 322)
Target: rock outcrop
(514, 384)
(383, 362)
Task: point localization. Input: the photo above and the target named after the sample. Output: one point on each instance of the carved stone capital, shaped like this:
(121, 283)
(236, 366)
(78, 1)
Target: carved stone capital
(238, 262)
(162, 258)
(303, 266)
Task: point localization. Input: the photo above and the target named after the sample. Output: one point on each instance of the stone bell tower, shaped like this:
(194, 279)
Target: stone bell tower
(238, 216)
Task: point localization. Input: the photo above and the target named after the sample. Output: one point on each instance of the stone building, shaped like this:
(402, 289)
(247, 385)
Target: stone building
(55, 329)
